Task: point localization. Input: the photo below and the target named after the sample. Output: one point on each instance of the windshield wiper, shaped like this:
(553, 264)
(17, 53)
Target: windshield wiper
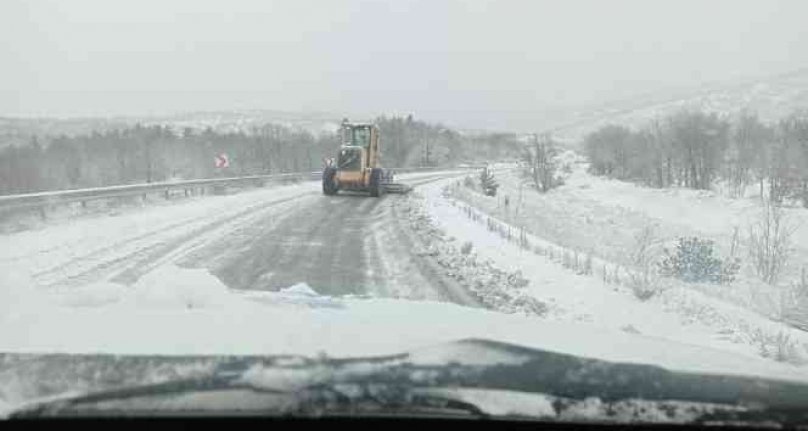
(381, 398)
(399, 383)
(330, 398)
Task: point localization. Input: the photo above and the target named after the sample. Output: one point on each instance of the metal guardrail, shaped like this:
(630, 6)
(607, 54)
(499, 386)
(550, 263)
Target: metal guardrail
(82, 195)
(43, 199)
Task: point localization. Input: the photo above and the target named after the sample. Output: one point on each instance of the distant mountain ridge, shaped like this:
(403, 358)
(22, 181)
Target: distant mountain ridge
(772, 98)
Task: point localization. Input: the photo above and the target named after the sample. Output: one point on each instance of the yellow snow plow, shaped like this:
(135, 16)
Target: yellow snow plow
(357, 166)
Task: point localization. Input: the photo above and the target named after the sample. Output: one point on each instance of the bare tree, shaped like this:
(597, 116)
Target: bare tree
(747, 154)
(605, 149)
(539, 156)
(700, 139)
(643, 279)
(770, 242)
(789, 170)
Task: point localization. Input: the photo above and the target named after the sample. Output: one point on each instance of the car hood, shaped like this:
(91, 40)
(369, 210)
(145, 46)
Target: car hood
(54, 349)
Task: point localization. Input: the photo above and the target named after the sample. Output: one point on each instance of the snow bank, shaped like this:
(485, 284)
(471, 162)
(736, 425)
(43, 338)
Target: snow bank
(684, 316)
(490, 286)
(172, 287)
(601, 217)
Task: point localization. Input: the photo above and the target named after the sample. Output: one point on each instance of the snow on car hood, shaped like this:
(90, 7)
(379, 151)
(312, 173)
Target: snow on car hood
(177, 311)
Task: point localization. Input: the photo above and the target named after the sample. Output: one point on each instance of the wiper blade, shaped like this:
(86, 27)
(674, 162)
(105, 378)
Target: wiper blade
(317, 399)
(200, 384)
(364, 398)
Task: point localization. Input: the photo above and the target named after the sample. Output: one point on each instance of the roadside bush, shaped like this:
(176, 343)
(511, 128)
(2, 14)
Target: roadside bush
(770, 243)
(780, 347)
(642, 280)
(694, 261)
(465, 249)
(487, 182)
(794, 303)
(469, 182)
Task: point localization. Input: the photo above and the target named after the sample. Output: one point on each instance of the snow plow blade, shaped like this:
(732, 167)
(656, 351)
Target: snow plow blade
(396, 188)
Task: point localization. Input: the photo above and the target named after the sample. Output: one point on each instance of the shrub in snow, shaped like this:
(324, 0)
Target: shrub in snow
(694, 261)
(642, 279)
(488, 183)
(794, 303)
(466, 248)
(469, 182)
(779, 347)
(587, 269)
(770, 243)
(528, 305)
(566, 168)
(541, 160)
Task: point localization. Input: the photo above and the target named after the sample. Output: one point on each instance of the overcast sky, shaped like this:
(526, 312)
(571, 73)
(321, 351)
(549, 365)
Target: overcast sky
(451, 60)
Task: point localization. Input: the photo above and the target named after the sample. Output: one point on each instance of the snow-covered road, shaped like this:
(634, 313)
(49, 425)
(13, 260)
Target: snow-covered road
(265, 239)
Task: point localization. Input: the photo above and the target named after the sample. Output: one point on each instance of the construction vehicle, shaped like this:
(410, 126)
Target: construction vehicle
(358, 165)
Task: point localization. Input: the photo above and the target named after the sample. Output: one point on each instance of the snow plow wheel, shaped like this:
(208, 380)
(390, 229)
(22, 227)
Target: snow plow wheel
(376, 186)
(329, 186)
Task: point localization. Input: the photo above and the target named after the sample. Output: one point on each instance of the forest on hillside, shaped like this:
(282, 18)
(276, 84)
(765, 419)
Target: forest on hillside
(144, 154)
(695, 149)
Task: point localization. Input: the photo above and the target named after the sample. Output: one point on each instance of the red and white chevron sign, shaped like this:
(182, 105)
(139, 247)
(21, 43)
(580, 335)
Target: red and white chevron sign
(222, 161)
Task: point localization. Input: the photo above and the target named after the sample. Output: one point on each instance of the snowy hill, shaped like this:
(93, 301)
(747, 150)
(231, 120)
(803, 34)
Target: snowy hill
(772, 98)
(244, 121)
(20, 130)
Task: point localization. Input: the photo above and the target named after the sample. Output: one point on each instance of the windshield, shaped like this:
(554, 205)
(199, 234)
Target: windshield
(359, 136)
(350, 159)
(569, 209)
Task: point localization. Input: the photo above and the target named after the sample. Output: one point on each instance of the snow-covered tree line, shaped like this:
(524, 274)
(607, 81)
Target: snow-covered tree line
(695, 149)
(141, 154)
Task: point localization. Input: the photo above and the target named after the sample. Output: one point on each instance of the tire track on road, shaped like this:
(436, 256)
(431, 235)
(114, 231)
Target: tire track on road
(148, 249)
(347, 244)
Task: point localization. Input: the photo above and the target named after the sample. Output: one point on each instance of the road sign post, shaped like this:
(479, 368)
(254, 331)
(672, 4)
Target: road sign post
(221, 162)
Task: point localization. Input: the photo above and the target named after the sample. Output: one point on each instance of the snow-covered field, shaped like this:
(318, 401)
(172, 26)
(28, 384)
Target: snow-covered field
(600, 218)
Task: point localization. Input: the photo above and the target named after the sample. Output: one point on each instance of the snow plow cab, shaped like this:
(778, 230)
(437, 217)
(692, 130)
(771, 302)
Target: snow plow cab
(357, 166)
